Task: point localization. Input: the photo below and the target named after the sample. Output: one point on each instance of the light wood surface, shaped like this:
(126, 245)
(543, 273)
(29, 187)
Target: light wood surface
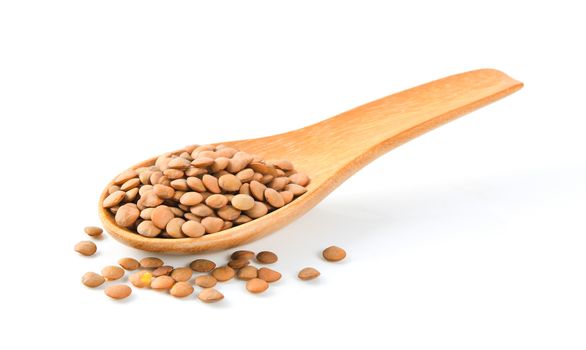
(334, 149)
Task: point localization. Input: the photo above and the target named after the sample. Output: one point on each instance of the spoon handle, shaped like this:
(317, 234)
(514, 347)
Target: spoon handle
(356, 137)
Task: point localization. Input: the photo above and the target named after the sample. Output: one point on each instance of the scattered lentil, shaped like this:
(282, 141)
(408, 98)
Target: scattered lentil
(268, 275)
(162, 271)
(238, 263)
(202, 265)
(247, 254)
(118, 291)
(223, 273)
(256, 285)
(334, 253)
(181, 290)
(92, 279)
(308, 273)
(162, 282)
(151, 262)
(112, 273)
(93, 231)
(205, 281)
(210, 295)
(129, 264)
(248, 272)
(182, 274)
(266, 257)
(86, 248)
(141, 279)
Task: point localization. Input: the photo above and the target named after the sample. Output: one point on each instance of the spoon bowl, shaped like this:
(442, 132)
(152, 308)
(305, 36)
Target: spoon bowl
(331, 151)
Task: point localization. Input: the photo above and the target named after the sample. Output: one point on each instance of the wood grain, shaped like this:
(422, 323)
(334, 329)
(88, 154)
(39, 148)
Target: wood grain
(334, 149)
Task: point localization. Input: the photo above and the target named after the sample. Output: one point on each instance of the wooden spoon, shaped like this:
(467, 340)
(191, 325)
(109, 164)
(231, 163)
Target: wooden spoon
(334, 149)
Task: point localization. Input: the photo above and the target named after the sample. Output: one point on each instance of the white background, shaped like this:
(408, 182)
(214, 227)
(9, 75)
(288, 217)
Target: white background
(470, 237)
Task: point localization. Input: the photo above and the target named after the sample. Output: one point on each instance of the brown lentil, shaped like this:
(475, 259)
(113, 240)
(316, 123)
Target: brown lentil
(112, 273)
(195, 184)
(202, 210)
(163, 191)
(161, 215)
(92, 279)
(227, 225)
(268, 275)
(212, 225)
(202, 265)
(151, 262)
(274, 198)
(242, 202)
(211, 183)
(229, 183)
(148, 229)
(193, 228)
(127, 215)
(205, 281)
(245, 175)
(174, 228)
(180, 185)
(308, 273)
(125, 176)
(146, 213)
(162, 282)
(86, 248)
(181, 290)
(242, 219)
(129, 264)
(259, 209)
(216, 201)
(295, 189)
(256, 285)
(238, 263)
(93, 231)
(334, 253)
(210, 295)
(257, 190)
(118, 291)
(141, 279)
(191, 198)
(223, 273)
(283, 164)
(162, 271)
(113, 199)
(266, 257)
(149, 200)
(279, 183)
(131, 195)
(202, 162)
(182, 274)
(228, 213)
(247, 272)
(247, 254)
(130, 184)
(300, 179)
(287, 196)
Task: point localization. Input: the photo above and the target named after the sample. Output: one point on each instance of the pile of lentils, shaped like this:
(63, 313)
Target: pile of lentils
(152, 273)
(201, 190)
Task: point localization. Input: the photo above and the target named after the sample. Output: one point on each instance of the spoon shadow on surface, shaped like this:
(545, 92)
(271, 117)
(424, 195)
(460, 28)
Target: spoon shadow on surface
(475, 205)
